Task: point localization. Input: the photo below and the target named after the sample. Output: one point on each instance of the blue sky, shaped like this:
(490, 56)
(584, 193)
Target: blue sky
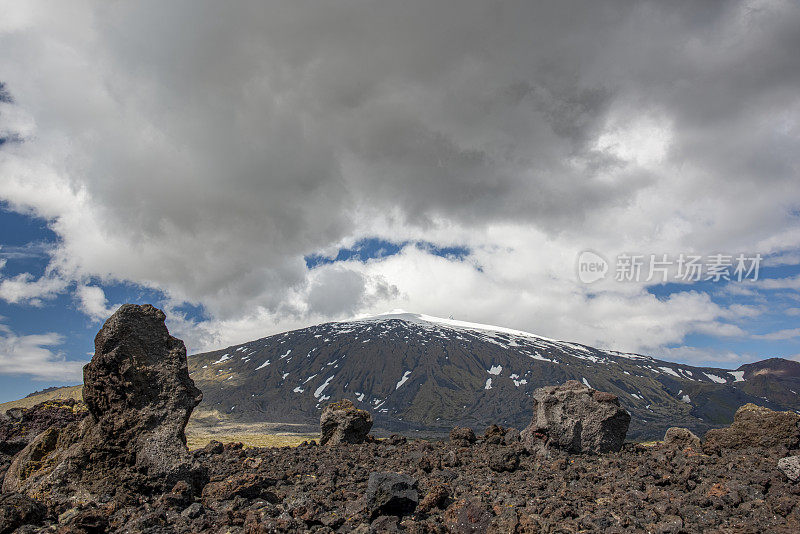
(268, 167)
(25, 241)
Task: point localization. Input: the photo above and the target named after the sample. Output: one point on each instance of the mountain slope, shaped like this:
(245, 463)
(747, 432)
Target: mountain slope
(416, 372)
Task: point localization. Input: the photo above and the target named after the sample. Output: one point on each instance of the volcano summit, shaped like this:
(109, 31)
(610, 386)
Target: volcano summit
(416, 372)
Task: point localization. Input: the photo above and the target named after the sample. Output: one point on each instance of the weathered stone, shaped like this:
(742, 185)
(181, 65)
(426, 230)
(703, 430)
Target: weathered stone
(247, 485)
(511, 437)
(84, 521)
(494, 435)
(385, 524)
(575, 418)
(138, 390)
(451, 459)
(342, 422)
(193, 510)
(468, 516)
(391, 494)
(790, 467)
(214, 447)
(21, 425)
(395, 439)
(462, 436)
(438, 497)
(681, 438)
(17, 510)
(505, 523)
(756, 426)
(140, 396)
(504, 459)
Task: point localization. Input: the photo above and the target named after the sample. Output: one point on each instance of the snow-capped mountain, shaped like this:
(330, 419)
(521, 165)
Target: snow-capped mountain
(417, 372)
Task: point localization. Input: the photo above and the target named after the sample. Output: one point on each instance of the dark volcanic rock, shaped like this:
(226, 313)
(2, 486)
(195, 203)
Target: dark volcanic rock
(462, 436)
(681, 438)
(790, 467)
(438, 497)
(504, 459)
(494, 434)
(576, 418)
(246, 485)
(138, 390)
(756, 426)
(512, 436)
(16, 510)
(468, 516)
(139, 394)
(342, 422)
(21, 425)
(324, 489)
(391, 494)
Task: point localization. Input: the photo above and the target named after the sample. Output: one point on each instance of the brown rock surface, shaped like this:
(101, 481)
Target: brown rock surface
(681, 438)
(312, 488)
(19, 426)
(462, 436)
(575, 418)
(755, 426)
(342, 422)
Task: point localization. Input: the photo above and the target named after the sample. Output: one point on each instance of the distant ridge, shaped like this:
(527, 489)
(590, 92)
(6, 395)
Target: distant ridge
(417, 372)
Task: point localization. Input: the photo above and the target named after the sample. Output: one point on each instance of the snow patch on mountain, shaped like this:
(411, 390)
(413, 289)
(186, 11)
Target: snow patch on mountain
(320, 389)
(402, 380)
(715, 378)
(224, 358)
(670, 371)
(738, 376)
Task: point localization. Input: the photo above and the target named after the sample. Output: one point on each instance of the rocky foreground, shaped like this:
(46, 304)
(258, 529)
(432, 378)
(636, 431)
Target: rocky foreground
(123, 465)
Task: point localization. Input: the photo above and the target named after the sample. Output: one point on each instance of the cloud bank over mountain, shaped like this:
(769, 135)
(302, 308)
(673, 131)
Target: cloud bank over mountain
(208, 150)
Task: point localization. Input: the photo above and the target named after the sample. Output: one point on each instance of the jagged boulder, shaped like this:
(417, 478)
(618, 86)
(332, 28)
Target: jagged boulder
(391, 494)
(137, 388)
(342, 422)
(511, 437)
(462, 436)
(494, 435)
(21, 425)
(575, 418)
(756, 426)
(681, 438)
(790, 466)
(140, 396)
(17, 510)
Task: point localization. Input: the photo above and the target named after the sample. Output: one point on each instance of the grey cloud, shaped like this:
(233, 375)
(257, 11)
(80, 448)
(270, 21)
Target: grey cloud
(336, 292)
(220, 143)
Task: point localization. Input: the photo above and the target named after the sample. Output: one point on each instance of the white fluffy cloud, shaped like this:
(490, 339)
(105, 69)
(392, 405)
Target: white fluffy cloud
(206, 149)
(23, 288)
(92, 301)
(32, 355)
